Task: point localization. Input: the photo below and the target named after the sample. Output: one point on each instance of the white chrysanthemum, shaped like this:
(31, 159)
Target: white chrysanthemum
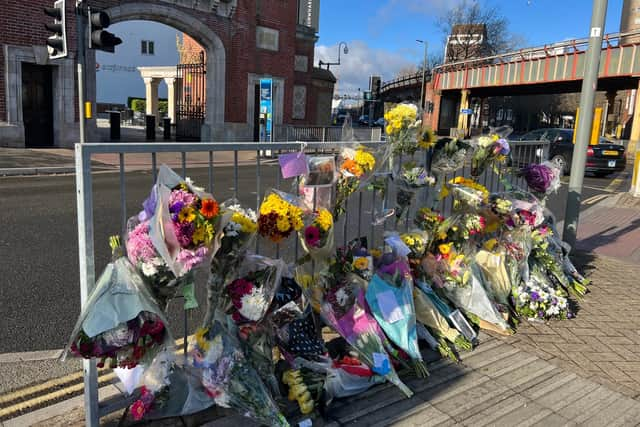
(149, 269)
(253, 305)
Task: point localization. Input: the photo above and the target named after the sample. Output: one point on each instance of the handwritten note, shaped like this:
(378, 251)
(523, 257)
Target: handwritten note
(293, 164)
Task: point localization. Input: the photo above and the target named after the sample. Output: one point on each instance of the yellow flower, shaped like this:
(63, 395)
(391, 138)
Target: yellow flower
(376, 253)
(428, 139)
(361, 263)
(324, 219)
(388, 129)
(490, 244)
(187, 214)
(408, 239)
(365, 160)
(201, 341)
(246, 225)
(444, 192)
(491, 227)
(445, 248)
(306, 407)
(283, 224)
(198, 235)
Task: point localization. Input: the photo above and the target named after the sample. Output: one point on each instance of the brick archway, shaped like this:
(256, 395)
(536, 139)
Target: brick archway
(199, 31)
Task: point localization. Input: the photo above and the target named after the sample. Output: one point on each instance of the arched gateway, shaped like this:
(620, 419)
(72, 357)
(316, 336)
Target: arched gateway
(187, 23)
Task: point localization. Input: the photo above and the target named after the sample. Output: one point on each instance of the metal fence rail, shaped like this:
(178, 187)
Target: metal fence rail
(363, 217)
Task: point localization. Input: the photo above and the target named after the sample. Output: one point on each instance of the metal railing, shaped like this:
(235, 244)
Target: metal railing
(364, 214)
(323, 133)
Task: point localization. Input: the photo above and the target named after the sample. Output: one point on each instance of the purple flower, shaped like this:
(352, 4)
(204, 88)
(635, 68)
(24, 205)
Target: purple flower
(176, 207)
(538, 177)
(554, 301)
(541, 314)
(504, 146)
(534, 296)
(184, 232)
(569, 315)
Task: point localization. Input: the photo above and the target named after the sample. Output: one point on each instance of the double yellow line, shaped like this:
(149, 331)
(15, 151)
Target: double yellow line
(36, 396)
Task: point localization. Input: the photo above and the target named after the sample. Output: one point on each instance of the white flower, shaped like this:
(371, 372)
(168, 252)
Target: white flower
(553, 310)
(232, 229)
(523, 298)
(149, 269)
(484, 141)
(533, 306)
(253, 305)
(341, 296)
(192, 184)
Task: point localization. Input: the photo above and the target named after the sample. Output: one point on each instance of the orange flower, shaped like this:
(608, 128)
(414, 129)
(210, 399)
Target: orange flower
(209, 208)
(351, 166)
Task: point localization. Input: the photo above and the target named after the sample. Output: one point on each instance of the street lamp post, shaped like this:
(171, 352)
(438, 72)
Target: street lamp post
(424, 70)
(345, 50)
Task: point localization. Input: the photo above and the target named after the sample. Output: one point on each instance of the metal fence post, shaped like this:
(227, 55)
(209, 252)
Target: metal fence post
(84, 199)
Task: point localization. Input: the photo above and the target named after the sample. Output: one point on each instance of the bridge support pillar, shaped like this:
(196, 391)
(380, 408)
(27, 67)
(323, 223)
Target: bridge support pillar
(463, 122)
(634, 138)
(610, 126)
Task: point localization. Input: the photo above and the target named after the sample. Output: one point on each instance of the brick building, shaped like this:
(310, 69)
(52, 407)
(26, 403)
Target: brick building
(243, 41)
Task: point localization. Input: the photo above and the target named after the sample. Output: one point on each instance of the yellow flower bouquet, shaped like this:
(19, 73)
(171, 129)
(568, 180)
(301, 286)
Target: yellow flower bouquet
(280, 215)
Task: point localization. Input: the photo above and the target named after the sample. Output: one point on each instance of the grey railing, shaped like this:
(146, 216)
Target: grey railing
(285, 133)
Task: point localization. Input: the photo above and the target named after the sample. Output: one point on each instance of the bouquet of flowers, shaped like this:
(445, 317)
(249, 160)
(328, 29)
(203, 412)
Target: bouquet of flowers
(408, 180)
(476, 304)
(305, 387)
(535, 299)
(403, 128)
(180, 230)
(121, 322)
(390, 298)
(280, 215)
(169, 390)
(238, 235)
(253, 290)
(448, 156)
(354, 166)
(429, 221)
(429, 315)
(542, 179)
(488, 150)
(317, 239)
(494, 266)
(467, 193)
(230, 379)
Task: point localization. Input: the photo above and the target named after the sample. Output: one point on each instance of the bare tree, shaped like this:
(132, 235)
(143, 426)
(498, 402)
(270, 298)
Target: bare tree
(408, 70)
(471, 31)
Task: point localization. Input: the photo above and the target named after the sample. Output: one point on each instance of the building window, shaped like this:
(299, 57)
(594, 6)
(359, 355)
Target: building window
(299, 102)
(267, 38)
(146, 47)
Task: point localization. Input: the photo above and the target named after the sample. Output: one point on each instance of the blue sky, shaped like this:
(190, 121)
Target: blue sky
(381, 34)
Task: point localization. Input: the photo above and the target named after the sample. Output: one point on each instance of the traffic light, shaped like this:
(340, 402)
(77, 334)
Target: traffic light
(374, 83)
(99, 38)
(57, 43)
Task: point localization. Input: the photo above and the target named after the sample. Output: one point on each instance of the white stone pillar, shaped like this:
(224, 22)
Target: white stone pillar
(171, 97)
(151, 91)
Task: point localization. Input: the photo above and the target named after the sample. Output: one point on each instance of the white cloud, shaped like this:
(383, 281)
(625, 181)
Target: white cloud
(361, 62)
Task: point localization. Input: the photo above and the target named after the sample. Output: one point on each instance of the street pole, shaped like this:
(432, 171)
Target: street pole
(587, 98)
(80, 28)
(424, 70)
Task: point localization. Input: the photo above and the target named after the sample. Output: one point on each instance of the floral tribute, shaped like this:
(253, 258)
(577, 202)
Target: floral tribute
(279, 217)
(489, 150)
(354, 165)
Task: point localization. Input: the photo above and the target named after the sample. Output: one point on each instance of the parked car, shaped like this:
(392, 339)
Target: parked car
(379, 122)
(363, 120)
(602, 159)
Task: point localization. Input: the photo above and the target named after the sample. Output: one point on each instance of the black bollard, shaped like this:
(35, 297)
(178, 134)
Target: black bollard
(150, 122)
(114, 123)
(166, 124)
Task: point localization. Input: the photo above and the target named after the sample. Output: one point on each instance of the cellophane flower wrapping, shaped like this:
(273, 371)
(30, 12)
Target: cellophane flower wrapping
(239, 234)
(542, 179)
(448, 156)
(494, 266)
(317, 237)
(352, 319)
(403, 129)
(230, 379)
(121, 324)
(253, 288)
(537, 299)
(177, 232)
(186, 227)
(488, 150)
(356, 166)
(428, 314)
(169, 389)
(280, 215)
(474, 299)
(468, 195)
(409, 178)
(389, 295)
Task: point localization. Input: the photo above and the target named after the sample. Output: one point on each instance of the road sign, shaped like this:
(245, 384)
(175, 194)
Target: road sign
(466, 111)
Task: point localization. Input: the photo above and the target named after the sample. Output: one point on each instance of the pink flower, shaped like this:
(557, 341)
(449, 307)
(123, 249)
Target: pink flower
(181, 196)
(312, 235)
(184, 232)
(138, 410)
(189, 259)
(139, 245)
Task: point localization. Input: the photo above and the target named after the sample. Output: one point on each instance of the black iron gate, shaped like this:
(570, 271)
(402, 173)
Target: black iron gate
(190, 108)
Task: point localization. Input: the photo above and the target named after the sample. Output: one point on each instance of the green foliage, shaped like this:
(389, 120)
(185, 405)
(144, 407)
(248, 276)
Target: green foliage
(138, 105)
(163, 107)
